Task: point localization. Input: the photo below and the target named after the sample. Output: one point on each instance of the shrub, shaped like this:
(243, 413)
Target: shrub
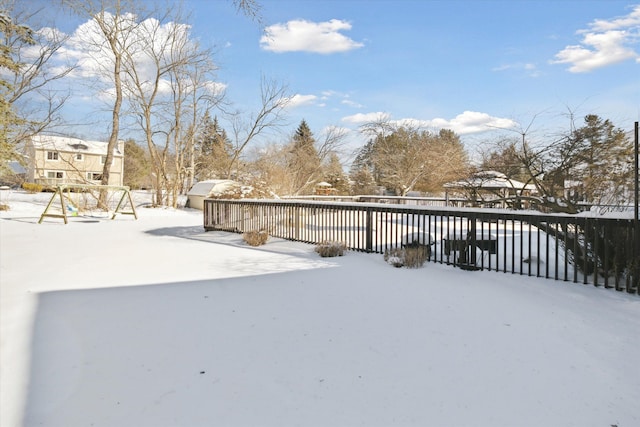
(255, 237)
(32, 187)
(410, 256)
(331, 249)
(416, 255)
(4, 207)
(394, 256)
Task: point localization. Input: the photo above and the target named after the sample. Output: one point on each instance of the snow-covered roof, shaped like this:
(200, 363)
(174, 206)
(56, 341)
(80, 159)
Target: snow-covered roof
(74, 145)
(490, 180)
(212, 187)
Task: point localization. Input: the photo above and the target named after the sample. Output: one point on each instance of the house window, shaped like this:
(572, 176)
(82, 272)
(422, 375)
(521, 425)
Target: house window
(52, 155)
(94, 176)
(103, 159)
(79, 156)
(55, 175)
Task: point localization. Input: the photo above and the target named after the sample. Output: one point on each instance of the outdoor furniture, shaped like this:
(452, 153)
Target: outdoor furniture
(486, 244)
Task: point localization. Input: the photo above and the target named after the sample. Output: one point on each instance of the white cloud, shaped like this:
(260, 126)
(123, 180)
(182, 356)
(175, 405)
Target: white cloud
(88, 48)
(215, 88)
(298, 100)
(629, 21)
(530, 69)
(466, 123)
(472, 122)
(607, 42)
(307, 36)
(360, 118)
(351, 103)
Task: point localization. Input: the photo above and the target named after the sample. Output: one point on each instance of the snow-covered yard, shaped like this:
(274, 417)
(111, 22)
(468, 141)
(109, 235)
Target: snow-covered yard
(154, 322)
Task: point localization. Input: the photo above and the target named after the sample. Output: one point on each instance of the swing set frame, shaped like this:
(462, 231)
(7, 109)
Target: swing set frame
(63, 194)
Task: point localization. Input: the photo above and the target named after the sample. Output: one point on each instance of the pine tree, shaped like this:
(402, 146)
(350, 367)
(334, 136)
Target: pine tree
(304, 161)
(214, 150)
(137, 166)
(334, 175)
(600, 158)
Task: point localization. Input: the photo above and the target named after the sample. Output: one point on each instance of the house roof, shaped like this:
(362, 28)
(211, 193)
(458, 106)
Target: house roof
(490, 180)
(73, 145)
(212, 187)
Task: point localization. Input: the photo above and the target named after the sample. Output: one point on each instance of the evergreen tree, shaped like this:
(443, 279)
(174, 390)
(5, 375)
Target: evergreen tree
(364, 158)
(137, 166)
(600, 159)
(334, 175)
(362, 181)
(304, 162)
(214, 150)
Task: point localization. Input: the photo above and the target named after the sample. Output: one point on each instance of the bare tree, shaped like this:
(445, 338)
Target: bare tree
(202, 98)
(157, 92)
(404, 158)
(270, 174)
(29, 93)
(114, 24)
(273, 100)
(250, 8)
(190, 97)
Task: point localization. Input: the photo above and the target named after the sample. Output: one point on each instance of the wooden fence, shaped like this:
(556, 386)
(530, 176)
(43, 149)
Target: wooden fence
(580, 249)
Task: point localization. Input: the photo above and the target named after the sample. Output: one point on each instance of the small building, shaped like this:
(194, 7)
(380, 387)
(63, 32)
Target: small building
(57, 160)
(214, 188)
(325, 189)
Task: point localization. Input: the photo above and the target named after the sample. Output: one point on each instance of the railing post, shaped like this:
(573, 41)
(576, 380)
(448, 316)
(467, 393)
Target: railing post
(635, 265)
(369, 231)
(471, 246)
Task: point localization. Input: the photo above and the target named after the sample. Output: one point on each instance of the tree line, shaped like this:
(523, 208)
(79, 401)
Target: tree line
(160, 82)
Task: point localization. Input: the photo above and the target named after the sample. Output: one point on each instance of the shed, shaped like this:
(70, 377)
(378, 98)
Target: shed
(211, 188)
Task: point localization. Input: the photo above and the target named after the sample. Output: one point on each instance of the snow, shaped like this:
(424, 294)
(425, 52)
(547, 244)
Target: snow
(154, 322)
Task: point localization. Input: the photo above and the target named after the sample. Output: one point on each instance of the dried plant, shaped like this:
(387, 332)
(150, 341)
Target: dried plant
(410, 256)
(331, 249)
(255, 237)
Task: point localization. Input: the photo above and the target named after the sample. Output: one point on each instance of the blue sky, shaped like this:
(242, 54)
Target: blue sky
(470, 66)
(428, 60)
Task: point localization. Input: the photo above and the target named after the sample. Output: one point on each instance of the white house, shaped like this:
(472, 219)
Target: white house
(56, 160)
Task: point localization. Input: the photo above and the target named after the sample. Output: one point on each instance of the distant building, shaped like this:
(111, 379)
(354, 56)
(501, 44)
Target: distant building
(217, 189)
(57, 160)
(325, 189)
(490, 187)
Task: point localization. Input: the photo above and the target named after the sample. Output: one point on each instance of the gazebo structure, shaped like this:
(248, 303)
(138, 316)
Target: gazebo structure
(491, 188)
(324, 189)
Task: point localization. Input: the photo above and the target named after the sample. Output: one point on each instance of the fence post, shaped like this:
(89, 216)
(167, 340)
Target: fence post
(369, 231)
(471, 246)
(635, 267)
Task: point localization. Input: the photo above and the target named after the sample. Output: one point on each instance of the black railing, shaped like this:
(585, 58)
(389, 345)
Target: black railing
(598, 251)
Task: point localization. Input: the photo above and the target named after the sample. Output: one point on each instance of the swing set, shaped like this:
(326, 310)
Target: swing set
(70, 207)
